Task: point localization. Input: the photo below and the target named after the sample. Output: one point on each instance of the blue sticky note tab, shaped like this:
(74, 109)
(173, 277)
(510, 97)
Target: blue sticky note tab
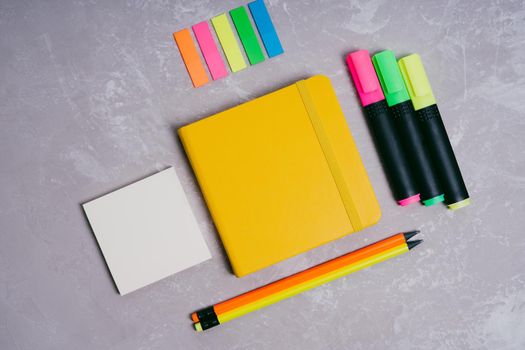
(264, 25)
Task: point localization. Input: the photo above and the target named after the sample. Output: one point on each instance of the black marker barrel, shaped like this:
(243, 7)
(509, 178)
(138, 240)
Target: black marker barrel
(434, 132)
(382, 126)
(406, 123)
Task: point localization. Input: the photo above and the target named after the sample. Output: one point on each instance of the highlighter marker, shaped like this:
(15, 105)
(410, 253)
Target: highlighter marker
(382, 126)
(434, 132)
(406, 123)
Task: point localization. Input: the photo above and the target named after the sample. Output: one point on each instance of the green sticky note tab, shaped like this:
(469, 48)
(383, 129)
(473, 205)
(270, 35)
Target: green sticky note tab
(247, 35)
(228, 42)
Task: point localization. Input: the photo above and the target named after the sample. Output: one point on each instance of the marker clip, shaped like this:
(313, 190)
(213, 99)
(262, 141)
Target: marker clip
(418, 78)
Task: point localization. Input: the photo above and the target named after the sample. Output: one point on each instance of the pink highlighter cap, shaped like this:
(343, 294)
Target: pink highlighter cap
(364, 76)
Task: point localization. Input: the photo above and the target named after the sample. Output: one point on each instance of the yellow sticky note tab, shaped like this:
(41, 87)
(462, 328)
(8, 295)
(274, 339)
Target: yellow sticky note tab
(229, 44)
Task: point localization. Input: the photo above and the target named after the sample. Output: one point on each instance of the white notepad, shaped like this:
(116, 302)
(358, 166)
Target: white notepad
(146, 231)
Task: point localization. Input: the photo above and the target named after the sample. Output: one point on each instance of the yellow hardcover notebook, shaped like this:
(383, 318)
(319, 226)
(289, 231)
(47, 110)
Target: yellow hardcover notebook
(280, 174)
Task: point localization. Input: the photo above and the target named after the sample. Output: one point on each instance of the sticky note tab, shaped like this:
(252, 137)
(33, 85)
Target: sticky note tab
(418, 77)
(247, 35)
(191, 58)
(266, 28)
(228, 42)
(209, 50)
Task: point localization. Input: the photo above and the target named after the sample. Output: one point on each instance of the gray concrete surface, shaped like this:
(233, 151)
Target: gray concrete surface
(91, 93)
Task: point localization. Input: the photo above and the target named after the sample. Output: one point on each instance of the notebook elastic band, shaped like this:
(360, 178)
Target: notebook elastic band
(331, 159)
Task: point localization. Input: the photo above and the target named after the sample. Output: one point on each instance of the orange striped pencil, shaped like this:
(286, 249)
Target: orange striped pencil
(304, 280)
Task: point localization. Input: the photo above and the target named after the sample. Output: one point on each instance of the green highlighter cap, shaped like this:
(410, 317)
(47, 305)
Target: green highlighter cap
(416, 81)
(390, 77)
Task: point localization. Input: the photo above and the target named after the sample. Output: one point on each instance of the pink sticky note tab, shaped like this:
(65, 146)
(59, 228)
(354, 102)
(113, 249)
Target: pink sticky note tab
(209, 50)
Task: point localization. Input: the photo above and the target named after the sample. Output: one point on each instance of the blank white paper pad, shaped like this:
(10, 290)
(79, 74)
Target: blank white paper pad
(146, 231)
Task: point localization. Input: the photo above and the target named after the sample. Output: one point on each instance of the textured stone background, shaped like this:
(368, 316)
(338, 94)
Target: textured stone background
(91, 93)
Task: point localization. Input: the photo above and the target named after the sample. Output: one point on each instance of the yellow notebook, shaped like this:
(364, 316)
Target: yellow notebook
(280, 174)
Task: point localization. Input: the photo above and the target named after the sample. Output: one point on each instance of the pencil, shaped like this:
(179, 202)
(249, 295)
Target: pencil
(304, 280)
(331, 265)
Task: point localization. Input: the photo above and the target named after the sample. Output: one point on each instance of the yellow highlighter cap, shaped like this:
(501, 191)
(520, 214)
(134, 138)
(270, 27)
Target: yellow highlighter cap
(416, 81)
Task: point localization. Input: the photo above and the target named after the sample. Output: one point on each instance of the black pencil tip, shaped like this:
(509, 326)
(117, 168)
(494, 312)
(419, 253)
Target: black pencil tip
(410, 234)
(412, 244)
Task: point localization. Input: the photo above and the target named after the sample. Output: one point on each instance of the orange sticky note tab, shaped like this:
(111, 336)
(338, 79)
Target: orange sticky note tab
(191, 58)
